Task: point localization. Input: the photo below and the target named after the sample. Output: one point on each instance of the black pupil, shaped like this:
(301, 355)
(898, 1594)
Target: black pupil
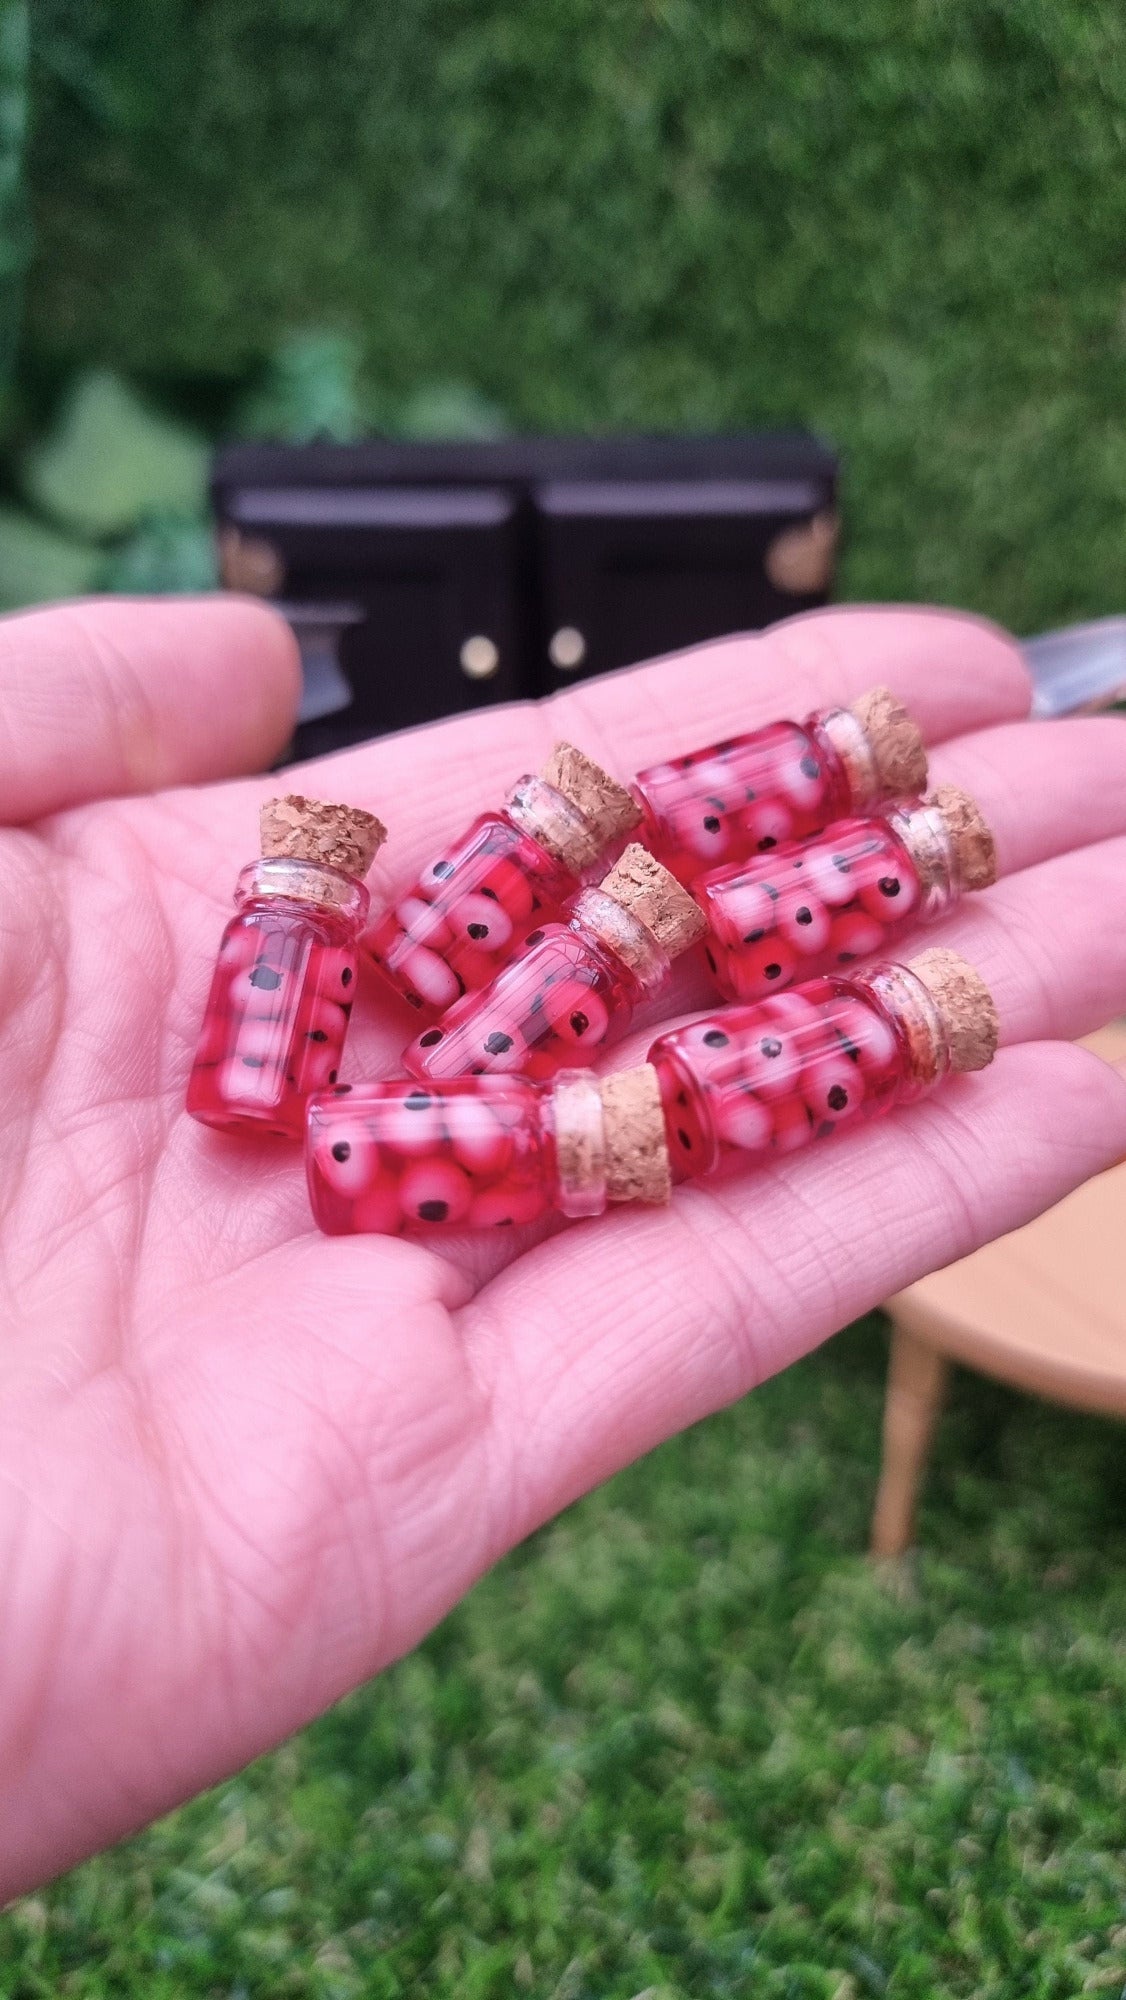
(711, 823)
(771, 1046)
(433, 1211)
(579, 1024)
(431, 1036)
(888, 885)
(803, 915)
(838, 1097)
(478, 930)
(497, 1044)
(342, 1151)
(715, 1038)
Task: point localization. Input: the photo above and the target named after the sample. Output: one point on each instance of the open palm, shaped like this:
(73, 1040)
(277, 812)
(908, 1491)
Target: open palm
(243, 1466)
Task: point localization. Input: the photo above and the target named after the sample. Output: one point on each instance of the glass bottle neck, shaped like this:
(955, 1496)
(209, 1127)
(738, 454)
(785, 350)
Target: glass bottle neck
(839, 733)
(623, 935)
(554, 823)
(910, 1011)
(574, 1115)
(924, 834)
(303, 882)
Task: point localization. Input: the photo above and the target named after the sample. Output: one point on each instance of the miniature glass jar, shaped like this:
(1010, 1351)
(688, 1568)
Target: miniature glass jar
(284, 980)
(472, 1153)
(514, 870)
(575, 982)
(771, 1077)
(490, 1152)
(751, 793)
(817, 905)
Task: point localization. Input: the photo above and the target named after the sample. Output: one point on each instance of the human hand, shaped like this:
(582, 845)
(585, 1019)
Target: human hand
(243, 1466)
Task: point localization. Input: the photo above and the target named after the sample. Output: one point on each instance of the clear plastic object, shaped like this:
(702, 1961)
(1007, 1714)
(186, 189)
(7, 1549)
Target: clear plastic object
(1079, 669)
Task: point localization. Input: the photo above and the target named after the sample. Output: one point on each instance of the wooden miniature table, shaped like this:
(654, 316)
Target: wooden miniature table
(1043, 1309)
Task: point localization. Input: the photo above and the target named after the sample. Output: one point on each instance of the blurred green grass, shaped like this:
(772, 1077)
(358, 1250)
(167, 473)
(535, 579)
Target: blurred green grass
(687, 1742)
(899, 221)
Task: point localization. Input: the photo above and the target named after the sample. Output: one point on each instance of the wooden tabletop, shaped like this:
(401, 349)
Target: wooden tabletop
(1044, 1308)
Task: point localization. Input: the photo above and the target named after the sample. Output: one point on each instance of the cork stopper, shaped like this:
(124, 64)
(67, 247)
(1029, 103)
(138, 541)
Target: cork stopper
(637, 1156)
(965, 1005)
(898, 755)
(343, 837)
(606, 806)
(972, 843)
(643, 887)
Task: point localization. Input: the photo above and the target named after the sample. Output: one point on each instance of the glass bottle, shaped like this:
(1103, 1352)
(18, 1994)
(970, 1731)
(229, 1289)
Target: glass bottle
(482, 1152)
(284, 980)
(817, 905)
(772, 1076)
(751, 793)
(514, 870)
(575, 982)
(490, 1152)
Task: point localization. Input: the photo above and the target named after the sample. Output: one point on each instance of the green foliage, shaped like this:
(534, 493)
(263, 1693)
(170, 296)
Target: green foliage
(688, 1743)
(14, 51)
(310, 388)
(898, 220)
(445, 410)
(165, 552)
(110, 460)
(37, 563)
(120, 488)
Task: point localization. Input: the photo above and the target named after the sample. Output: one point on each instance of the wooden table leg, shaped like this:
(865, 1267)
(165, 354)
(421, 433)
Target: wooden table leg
(916, 1386)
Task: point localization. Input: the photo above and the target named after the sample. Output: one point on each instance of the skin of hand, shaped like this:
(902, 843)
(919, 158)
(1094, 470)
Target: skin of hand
(243, 1466)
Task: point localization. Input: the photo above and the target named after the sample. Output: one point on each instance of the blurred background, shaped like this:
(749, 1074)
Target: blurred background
(686, 1742)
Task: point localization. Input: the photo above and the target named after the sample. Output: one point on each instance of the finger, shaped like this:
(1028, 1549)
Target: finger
(108, 697)
(1042, 786)
(608, 1339)
(1049, 943)
(954, 672)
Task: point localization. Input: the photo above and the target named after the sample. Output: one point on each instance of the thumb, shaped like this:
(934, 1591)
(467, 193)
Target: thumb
(110, 695)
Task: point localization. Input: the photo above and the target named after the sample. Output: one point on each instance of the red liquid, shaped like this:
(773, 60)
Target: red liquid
(742, 797)
(772, 1077)
(389, 1157)
(550, 1009)
(815, 906)
(276, 1017)
(467, 913)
